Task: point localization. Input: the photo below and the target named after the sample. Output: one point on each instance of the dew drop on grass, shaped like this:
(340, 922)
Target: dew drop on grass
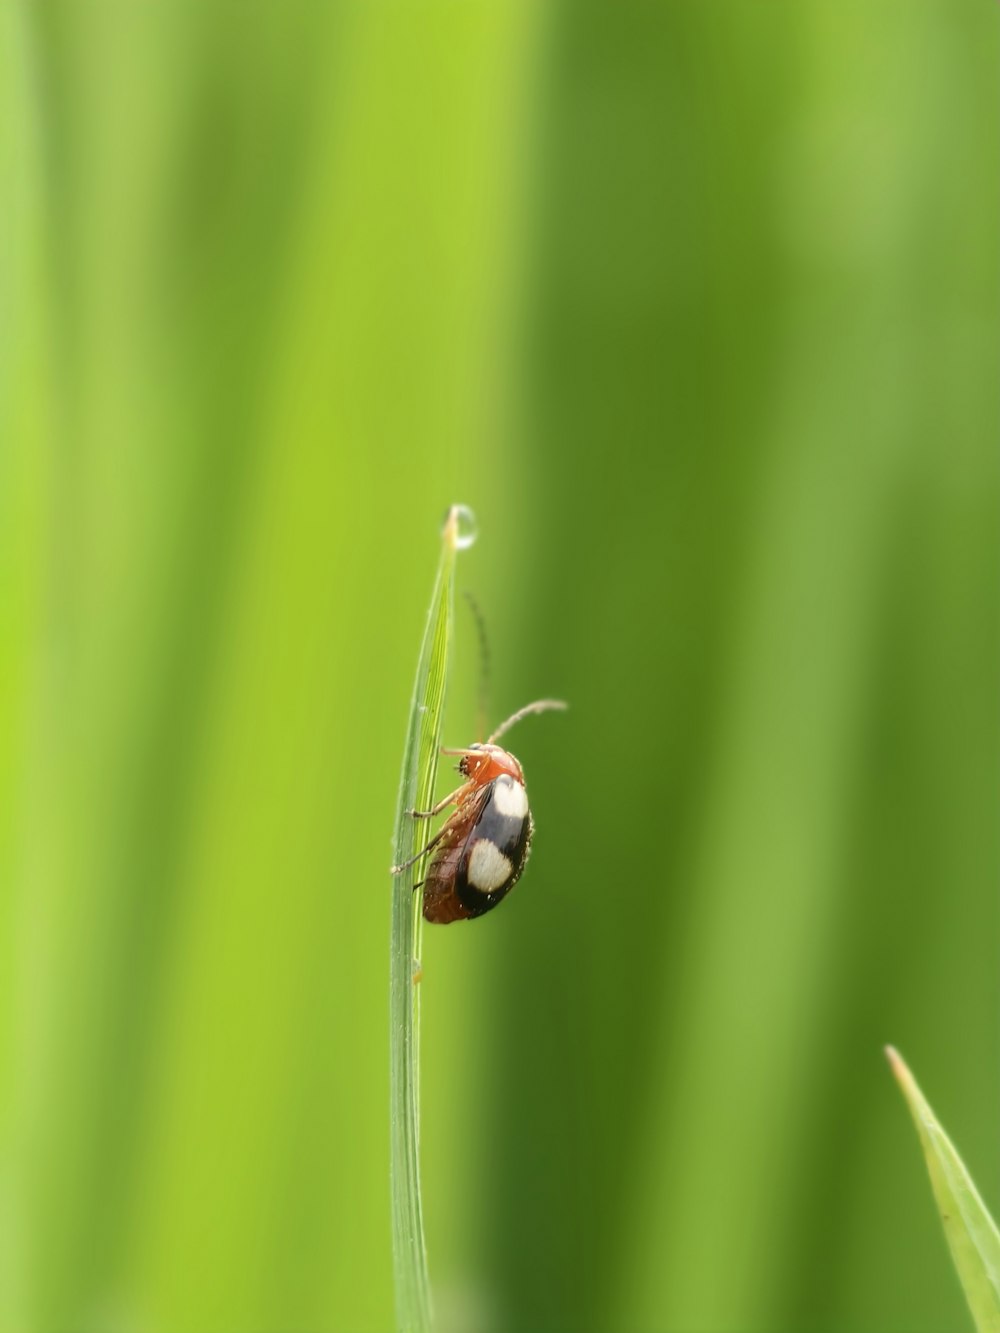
(466, 527)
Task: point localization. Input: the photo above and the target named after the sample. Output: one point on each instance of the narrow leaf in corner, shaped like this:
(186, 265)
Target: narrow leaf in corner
(971, 1232)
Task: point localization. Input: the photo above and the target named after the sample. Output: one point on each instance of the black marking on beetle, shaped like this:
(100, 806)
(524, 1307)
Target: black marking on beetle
(511, 835)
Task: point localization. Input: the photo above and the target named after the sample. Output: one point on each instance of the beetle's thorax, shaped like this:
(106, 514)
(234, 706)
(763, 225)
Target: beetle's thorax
(487, 762)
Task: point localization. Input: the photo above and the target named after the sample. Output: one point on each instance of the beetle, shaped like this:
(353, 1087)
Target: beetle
(483, 846)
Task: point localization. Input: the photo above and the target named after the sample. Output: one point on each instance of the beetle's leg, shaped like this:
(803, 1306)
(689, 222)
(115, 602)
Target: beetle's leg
(436, 809)
(396, 870)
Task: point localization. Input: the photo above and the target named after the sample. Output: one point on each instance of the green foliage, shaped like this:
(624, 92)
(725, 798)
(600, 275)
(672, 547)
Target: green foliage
(697, 306)
(971, 1232)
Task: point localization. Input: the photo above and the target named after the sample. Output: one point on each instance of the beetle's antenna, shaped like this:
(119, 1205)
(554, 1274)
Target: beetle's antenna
(540, 706)
(484, 660)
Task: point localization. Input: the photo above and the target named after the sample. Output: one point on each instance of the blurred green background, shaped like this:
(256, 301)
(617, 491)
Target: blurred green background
(697, 306)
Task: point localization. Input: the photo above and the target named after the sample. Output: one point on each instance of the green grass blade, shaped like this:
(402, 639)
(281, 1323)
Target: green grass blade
(416, 788)
(971, 1232)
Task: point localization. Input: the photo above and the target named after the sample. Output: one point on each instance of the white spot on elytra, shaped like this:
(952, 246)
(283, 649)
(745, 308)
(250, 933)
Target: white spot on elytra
(510, 798)
(489, 869)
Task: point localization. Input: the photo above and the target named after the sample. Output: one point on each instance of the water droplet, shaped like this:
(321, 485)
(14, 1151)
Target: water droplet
(464, 526)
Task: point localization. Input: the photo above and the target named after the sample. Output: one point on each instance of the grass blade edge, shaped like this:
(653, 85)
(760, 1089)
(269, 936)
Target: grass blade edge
(420, 756)
(970, 1230)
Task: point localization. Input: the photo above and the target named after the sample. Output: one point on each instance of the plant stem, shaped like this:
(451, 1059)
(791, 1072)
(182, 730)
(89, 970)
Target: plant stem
(423, 739)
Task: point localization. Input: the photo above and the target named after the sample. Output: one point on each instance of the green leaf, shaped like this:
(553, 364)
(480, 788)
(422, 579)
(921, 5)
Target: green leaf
(416, 789)
(971, 1232)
